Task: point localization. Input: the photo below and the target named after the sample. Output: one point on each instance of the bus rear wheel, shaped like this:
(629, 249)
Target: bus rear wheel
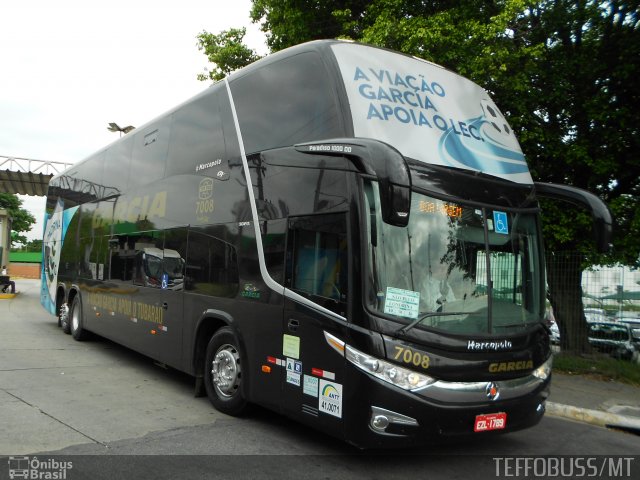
(223, 375)
(63, 317)
(75, 320)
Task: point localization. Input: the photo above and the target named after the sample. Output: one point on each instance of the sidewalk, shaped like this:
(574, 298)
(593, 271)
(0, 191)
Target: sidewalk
(598, 402)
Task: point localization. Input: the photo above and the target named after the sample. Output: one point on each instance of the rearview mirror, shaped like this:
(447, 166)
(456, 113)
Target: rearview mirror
(377, 159)
(585, 199)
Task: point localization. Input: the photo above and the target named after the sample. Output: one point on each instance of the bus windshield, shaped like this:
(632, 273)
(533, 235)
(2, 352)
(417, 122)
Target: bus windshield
(454, 267)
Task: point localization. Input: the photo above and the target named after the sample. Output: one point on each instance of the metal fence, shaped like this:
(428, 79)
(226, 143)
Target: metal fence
(614, 290)
(608, 294)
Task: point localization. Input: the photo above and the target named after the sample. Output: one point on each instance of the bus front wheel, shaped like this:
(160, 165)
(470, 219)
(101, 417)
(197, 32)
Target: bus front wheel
(223, 374)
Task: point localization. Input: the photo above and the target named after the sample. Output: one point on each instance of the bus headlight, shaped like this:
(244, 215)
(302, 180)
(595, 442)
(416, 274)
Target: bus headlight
(389, 372)
(544, 370)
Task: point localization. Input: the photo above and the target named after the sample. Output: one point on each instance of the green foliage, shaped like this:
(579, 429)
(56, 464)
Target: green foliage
(626, 210)
(290, 22)
(9, 202)
(22, 219)
(584, 124)
(33, 246)
(226, 51)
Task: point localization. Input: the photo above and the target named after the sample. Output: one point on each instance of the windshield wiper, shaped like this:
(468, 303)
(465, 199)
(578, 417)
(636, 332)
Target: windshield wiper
(516, 325)
(408, 327)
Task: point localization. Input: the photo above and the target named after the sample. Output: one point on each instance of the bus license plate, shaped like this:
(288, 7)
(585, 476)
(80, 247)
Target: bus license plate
(490, 421)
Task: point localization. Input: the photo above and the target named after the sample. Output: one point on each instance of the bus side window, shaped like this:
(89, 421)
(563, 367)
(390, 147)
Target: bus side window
(212, 266)
(127, 261)
(92, 258)
(317, 258)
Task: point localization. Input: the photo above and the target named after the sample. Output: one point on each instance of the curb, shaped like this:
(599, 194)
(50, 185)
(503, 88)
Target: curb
(593, 417)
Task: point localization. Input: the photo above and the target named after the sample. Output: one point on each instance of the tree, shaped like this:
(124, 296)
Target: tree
(290, 22)
(33, 245)
(584, 132)
(21, 218)
(565, 74)
(226, 51)
(285, 23)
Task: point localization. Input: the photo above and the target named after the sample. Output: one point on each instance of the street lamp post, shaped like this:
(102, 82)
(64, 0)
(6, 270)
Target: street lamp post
(114, 127)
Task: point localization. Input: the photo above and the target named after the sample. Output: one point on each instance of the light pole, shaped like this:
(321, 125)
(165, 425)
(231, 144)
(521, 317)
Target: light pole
(114, 127)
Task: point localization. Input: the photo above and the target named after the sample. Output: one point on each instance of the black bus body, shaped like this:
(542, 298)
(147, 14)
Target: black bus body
(351, 238)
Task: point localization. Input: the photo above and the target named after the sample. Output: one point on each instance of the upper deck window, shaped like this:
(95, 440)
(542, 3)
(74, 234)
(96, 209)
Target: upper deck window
(286, 102)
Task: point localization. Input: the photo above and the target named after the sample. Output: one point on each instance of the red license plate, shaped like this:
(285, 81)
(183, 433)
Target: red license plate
(490, 421)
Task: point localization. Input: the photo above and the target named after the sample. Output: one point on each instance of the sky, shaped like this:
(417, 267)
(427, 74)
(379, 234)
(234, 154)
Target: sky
(70, 67)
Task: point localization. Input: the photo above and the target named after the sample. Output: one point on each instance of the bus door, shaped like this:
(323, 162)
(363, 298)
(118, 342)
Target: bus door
(316, 270)
(159, 271)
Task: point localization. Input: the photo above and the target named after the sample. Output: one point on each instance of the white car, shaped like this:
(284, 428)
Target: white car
(555, 334)
(617, 339)
(631, 318)
(593, 317)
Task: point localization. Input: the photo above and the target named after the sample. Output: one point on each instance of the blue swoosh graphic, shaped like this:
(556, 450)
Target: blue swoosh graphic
(487, 156)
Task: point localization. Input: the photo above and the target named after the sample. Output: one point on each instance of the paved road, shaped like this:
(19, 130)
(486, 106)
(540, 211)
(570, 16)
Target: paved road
(59, 397)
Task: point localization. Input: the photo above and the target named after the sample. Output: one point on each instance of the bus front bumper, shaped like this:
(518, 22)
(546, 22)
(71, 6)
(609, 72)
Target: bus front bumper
(382, 415)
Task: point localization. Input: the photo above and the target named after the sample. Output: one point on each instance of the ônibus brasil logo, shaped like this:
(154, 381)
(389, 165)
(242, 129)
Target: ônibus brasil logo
(36, 469)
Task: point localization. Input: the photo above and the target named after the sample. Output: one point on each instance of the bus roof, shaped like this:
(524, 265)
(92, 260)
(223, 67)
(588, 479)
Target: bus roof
(425, 111)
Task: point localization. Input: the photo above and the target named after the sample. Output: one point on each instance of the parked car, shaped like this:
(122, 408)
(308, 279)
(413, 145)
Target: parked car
(631, 318)
(553, 326)
(593, 317)
(617, 339)
(555, 333)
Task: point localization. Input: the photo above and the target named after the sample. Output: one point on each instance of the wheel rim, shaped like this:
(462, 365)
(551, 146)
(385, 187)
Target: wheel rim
(225, 371)
(75, 319)
(63, 316)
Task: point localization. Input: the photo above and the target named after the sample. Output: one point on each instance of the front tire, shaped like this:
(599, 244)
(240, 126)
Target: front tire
(224, 380)
(75, 320)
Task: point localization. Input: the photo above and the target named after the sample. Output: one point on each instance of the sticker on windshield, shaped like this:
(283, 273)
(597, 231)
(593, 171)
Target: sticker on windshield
(403, 303)
(500, 222)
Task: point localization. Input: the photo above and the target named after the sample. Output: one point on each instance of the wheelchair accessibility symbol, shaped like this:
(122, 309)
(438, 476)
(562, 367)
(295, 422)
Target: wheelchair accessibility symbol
(500, 223)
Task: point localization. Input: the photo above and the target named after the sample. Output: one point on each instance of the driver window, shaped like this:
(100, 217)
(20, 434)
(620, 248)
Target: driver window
(317, 258)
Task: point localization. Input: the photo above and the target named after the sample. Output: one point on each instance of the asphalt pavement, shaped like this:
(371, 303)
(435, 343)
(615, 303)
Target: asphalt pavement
(32, 348)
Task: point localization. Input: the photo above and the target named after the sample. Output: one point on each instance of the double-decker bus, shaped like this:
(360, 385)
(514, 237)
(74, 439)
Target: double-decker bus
(343, 234)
